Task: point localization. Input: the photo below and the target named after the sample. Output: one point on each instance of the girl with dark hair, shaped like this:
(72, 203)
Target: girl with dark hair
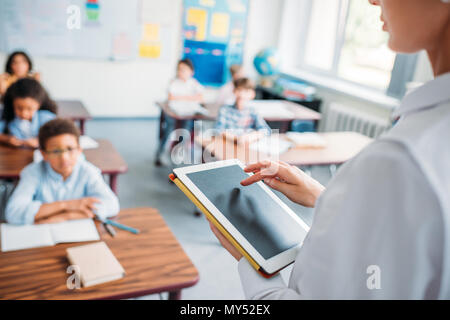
(17, 66)
(27, 107)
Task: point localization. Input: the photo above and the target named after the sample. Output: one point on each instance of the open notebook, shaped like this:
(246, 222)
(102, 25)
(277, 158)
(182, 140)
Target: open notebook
(16, 237)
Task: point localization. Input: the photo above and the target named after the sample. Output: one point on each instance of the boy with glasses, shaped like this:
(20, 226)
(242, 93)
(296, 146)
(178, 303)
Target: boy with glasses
(63, 186)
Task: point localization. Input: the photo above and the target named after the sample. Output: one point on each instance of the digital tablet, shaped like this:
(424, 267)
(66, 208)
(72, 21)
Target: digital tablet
(263, 228)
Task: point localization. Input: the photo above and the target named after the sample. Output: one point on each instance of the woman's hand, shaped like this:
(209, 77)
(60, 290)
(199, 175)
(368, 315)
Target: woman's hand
(225, 243)
(289, 180)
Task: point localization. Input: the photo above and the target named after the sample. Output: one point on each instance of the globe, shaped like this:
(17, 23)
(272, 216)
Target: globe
(267, 62)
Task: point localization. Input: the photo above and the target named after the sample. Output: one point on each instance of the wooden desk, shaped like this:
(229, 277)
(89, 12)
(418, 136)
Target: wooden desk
(270, 93)
(298, 113)
(341, 146)
(105, 157)
(73, 110)
(153, 260)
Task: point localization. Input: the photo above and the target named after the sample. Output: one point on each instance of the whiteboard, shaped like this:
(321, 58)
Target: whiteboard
(39, 27)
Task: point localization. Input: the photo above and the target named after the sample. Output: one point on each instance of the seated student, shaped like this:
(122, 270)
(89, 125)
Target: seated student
(184, 97)
(18, 66)
(26, 107)
(240, 122)
(226, 92)
(63, 186)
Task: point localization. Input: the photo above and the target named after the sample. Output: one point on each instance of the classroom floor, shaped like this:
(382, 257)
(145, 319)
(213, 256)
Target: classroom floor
(146, 185)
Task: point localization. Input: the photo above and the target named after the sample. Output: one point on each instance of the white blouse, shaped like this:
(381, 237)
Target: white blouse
(381, 228)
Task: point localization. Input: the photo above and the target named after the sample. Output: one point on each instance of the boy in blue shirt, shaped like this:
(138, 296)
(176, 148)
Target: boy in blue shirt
(241, 122)
(64, 185)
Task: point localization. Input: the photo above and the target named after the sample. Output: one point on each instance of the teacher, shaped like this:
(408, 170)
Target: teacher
(381, 228)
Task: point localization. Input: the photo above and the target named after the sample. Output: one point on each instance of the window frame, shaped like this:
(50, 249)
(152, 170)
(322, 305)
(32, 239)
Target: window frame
(402, 71)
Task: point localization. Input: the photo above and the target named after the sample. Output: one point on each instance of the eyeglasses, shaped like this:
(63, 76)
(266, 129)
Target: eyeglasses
(59, 152)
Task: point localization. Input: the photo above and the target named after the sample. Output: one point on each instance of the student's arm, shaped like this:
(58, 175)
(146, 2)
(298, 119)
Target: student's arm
(44, 117)
(221, 122)
(66, 210)
(260, 124)
(36, 76)
(64, 216)
(31, 143)
(108, 205)
(3, 83)
(22, 207)
(194, 98)
(11, 140)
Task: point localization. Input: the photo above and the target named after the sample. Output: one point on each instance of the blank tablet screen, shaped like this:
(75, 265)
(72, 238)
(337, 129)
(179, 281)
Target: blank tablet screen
(251, 210)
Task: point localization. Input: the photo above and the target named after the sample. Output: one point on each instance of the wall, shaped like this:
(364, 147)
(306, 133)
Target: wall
(130, 88)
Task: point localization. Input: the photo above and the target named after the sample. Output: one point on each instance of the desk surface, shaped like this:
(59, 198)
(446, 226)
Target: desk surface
(72, 109)
(298, 112)
(164, 106)
(341, 146)
(153, 261)
(105, 157)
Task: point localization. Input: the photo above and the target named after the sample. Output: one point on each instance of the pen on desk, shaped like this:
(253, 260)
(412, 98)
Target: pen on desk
(121, 226)
(110, 229)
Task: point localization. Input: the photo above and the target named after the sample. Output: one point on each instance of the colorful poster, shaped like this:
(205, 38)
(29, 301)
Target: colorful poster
(220, 24)
(152, 51)
(151, 32)
(150, 44)
(122, 46)
(213, 37)
(198, 18)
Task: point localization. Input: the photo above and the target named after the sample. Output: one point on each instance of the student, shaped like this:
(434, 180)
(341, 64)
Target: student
(63, 186)
(27, 107)
(185, 87)
(226, 93)
(239, 121)
(184, 97)
(18, 66)
(381, 227)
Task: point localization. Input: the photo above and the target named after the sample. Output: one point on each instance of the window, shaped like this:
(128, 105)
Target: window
(343, 39)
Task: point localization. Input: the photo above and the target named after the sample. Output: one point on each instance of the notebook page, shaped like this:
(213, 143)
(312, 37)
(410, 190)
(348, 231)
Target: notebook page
(16, 237)
(74, 231)
(87, 142)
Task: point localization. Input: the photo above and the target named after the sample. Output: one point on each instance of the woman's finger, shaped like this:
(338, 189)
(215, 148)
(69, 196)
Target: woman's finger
(278, 185)
(280, 171)
(257, 166)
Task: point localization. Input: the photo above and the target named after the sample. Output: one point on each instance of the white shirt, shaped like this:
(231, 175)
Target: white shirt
(385, 214)
(226, 96)
(191, 87)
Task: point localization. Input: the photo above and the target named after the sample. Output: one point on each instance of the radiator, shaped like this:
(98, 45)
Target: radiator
(341, 118)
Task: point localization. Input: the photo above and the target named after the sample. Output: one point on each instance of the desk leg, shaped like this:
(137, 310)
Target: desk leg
(285, 126)
(82, 126)
(113, 182)
(333, 169)
(175, 295)
(161, 126)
